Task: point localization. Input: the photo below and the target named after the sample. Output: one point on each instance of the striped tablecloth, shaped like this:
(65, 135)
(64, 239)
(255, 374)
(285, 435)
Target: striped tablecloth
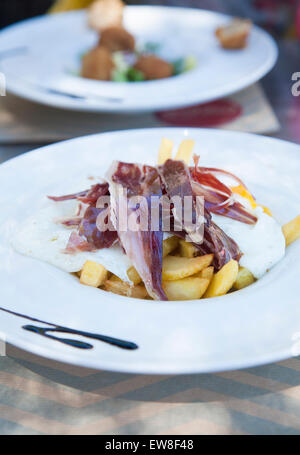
(38, 396)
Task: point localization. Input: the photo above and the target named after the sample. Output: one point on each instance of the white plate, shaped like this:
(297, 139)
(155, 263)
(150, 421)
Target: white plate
(254, 326)
(56, 42)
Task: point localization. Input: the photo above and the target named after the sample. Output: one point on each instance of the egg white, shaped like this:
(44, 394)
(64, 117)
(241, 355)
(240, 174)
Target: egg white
(41, 237)
(262, 244)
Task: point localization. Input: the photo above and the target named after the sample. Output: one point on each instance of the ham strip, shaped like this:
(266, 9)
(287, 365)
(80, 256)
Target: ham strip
(88, 196)
(96, 191)
(94, 234)
(218, 197)
(143, 247)
(68, 197)
(77, 244)
(177, 182)
(223, 205)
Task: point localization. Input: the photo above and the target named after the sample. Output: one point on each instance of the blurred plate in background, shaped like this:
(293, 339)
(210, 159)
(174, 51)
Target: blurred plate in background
(45, 66)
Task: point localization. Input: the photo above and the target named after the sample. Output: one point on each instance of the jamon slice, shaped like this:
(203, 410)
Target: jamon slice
(215, 240)
(90, 235)
(143, 245)
(77, 244)
(223, 205)
(219, 197)
(177, 182)
(90, 196)
(96, 235)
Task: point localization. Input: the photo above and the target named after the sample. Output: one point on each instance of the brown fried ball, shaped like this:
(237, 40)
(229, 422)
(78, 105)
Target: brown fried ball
(106, 13)
(153, 67)
(234, 35)
(97, 64)
(117, 39)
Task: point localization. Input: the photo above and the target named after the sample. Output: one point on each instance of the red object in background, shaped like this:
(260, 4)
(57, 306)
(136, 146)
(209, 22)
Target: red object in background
(203, 115)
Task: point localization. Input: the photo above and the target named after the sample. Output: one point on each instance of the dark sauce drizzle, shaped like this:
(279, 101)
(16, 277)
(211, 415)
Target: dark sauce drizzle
(47, 333)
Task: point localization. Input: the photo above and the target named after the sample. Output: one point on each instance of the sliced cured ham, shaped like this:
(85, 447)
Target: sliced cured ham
(143, 245)
(177, 181)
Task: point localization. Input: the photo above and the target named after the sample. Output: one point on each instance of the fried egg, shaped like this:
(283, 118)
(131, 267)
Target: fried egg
(41, 237)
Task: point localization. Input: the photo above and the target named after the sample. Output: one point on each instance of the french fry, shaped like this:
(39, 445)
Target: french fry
(185, 151)
(170, 245)
(186, 289)
(165, 150)
(223, 280)
(114, 278)
(291, 230)
(121, 288)
(187, 249)
(138, 292)
(206, 273)
(176, 268)
(134, 276)
(93, 274)
(244, 279)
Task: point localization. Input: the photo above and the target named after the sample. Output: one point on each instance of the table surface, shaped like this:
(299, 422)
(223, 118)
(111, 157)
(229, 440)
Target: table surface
(38, 396)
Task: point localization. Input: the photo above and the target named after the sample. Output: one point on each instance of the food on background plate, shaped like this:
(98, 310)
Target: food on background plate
(106, 13)
(116, 39)
(99, 63)
(234, 35)
(153, 67)
(237, 242)
(117, 57)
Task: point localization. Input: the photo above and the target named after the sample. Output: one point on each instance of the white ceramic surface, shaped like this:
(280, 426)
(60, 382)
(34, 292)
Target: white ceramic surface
(257, 325)
(56, 42)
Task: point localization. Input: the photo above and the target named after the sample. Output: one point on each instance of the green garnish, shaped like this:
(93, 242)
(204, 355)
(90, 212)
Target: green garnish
(135, 75)
(183, 65)
(190, 62)
(119, 76)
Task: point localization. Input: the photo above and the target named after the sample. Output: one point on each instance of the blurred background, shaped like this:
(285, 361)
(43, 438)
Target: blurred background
(280, 17)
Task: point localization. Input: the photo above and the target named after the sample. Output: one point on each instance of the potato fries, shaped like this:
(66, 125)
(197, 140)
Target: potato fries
(185, 151)
(223, 280)
(291, 230)
(121, 288)
(206, 273)
(186, 289)
(165, 151)
(134, 276)
(93, 274)
(187, 249)
(176, 268)
(169, 245)
(244, 279)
